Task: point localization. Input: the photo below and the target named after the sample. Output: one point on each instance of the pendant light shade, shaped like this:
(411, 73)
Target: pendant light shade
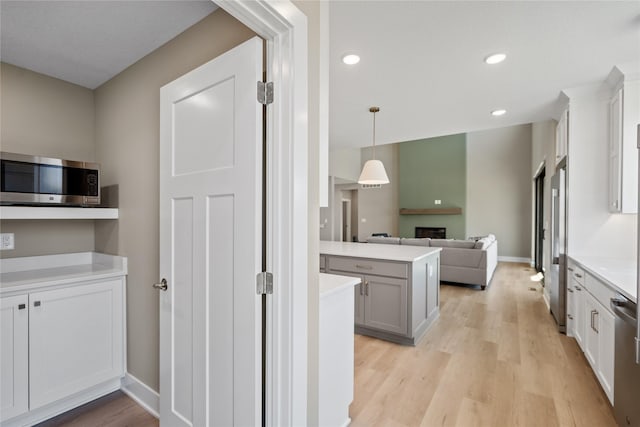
(373, 171)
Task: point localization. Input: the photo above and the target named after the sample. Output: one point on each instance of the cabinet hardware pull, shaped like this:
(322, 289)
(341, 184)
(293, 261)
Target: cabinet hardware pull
(579, 276)
(570, 290)
(593, 312)
(366, 267)
(595, 323)
(22, 306)
(36, 304)
(569, 268)
(578, 288)
(362, 286)
(366, 288)
(570, 316)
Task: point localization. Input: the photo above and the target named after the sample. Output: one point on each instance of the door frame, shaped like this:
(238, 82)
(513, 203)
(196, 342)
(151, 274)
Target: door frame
(284, 28)
(539, 229)
(347, 224)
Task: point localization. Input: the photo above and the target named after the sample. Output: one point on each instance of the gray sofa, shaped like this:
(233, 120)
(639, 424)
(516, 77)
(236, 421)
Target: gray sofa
(471, 262)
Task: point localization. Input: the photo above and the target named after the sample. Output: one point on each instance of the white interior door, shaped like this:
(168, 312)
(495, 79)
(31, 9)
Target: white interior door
(211, 243)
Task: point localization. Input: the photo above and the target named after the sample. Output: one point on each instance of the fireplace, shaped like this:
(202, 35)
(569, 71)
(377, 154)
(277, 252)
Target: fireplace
(432, 232)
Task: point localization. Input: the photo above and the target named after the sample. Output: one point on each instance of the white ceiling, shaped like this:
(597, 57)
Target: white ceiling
(422, 62)
(89, 42)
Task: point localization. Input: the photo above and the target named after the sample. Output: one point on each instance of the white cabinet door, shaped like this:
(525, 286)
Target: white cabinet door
(562, 136)
(14, 356)
(606, 350)
(580, 323)
(571, 309)
(615, 149)
(591, 344)
(211, 243)
(75, 339)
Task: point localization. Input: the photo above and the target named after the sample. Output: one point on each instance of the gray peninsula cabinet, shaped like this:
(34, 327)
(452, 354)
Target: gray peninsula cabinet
(398, 298)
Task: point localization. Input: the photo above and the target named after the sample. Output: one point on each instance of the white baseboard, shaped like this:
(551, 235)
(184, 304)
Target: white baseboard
(144, 395)
(514, 259)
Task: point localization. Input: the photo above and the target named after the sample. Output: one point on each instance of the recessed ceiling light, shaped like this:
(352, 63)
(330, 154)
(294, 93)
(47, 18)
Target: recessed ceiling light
(351, 59)
(496, 58)
(498, 113)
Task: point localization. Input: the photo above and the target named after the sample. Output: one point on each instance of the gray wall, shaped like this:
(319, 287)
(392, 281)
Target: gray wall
(499, 188)
(378, 207)
(44, 116)
(543, 152)
(127, 135)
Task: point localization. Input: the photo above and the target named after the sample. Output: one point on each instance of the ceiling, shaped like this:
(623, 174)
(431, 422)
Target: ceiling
(422, 61)
(89, 42)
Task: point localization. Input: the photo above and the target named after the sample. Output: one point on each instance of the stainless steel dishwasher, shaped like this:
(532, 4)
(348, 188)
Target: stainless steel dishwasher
(626, 383)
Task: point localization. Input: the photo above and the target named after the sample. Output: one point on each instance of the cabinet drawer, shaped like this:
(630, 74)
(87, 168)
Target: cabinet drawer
(601, 292)
(367, 266)
(576, 272)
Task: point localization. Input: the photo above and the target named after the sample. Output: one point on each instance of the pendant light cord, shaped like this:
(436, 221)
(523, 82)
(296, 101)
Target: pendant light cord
(374, 135)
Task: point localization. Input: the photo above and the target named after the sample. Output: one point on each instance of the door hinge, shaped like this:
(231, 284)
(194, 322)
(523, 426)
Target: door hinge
(264, 283)
(265, 93)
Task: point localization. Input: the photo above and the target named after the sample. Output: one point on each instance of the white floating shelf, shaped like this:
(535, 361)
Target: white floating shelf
(42, 212)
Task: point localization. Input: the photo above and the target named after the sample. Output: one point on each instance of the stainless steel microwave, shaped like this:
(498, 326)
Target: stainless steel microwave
(34, 180)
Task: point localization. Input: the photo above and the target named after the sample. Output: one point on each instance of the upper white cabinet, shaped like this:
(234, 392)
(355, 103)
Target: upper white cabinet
(562, 136)
(624, 118)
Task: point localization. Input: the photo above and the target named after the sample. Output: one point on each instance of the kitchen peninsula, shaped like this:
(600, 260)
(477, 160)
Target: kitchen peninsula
(399, 294)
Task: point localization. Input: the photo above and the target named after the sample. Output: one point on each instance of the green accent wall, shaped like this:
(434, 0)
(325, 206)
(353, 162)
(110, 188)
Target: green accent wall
(433, 169)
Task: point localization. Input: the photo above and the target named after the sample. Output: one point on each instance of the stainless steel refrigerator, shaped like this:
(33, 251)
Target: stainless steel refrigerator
(626, 382)
(558, 271)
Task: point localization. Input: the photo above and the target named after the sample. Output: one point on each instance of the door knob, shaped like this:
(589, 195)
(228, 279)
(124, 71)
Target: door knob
(162, 285)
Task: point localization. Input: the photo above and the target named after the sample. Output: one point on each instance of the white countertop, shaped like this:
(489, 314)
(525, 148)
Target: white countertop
(333, 283)
(28, 273)
(617, 273)
(377, 251)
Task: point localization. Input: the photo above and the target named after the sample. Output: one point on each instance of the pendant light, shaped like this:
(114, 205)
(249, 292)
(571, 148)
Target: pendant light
(373, 171)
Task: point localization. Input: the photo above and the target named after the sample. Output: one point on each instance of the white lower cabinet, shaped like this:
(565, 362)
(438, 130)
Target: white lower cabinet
(14, 356)
(75, 340)
(61, 345)
(594, 328)
(600, 342)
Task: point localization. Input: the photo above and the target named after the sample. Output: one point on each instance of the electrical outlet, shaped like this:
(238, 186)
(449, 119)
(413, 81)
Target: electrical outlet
(7, 241)
(438, 202)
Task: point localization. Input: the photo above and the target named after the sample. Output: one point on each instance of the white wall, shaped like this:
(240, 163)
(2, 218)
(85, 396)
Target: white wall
(499, 188)
(592, 230)
(345, 163)
(378, 209)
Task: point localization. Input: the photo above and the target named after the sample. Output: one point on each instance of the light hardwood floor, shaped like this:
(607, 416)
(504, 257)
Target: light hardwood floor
(113, 410)
(494, 358)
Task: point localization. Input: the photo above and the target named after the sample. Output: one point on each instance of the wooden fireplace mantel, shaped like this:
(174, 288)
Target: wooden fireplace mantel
(431, 211)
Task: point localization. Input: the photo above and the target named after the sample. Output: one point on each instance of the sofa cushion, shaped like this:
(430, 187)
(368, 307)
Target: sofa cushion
(462, 258)
(451, 243)
(384, 240)
(483, 243)
(425, 241)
